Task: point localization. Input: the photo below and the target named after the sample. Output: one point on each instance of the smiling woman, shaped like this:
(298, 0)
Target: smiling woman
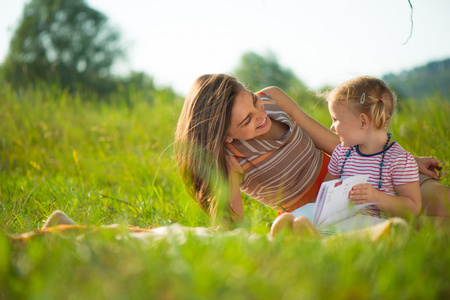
(257, 139)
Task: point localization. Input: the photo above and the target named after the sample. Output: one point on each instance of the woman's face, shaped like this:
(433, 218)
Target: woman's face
(248, 117)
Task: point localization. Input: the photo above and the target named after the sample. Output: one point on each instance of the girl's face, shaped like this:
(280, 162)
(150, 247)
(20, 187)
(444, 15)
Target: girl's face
(248, 117)
(346, 124)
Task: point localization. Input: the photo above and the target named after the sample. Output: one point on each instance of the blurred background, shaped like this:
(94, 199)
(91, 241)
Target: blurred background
(104, 45)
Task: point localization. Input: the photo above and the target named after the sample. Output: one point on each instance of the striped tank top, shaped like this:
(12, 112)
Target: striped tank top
(277, 172)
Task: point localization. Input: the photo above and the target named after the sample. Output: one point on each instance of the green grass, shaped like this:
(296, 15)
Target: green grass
(113, 163)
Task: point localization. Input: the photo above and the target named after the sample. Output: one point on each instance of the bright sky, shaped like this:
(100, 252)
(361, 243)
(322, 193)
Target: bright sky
(322, 41)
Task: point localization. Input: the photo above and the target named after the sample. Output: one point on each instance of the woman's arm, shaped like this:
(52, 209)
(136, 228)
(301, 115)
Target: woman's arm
(234, 180)
(322, 137)
(429, 166)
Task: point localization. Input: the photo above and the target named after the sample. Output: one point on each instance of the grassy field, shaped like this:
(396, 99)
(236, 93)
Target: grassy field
(113, 163)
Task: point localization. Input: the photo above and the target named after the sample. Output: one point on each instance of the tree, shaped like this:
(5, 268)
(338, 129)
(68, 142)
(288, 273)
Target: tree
(65, 42)
(420, 83)
(258, 72)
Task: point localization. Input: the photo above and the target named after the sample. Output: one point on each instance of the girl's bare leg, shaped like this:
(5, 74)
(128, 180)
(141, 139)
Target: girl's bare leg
(58, 218)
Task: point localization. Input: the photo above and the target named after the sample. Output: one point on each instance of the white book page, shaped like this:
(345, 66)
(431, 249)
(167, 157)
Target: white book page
(333, 205)
(321, 197)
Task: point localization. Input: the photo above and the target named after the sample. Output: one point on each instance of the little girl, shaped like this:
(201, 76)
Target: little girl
(361, 109)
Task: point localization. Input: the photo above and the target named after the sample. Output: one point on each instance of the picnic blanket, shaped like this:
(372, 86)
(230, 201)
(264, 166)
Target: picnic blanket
(181, 233)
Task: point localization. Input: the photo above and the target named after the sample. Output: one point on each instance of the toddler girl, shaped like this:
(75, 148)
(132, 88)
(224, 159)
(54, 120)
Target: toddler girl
(361, 109)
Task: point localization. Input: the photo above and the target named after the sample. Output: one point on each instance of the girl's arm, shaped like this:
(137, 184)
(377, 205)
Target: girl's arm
(407, 202)
(323, 138)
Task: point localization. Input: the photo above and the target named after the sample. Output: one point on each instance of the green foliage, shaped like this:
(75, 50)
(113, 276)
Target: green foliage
(64, 42)
(139, 85)
(258, 72)
(105, 163)
(420, 82)
(69, 154)
(113, 265)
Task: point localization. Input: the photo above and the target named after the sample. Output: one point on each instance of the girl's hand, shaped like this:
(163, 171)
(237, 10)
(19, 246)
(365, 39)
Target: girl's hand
(406, 203)
(429, 166)
(364, 193)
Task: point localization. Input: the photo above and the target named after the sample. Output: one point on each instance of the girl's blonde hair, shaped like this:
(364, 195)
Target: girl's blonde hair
(367, 95)
(200, 138)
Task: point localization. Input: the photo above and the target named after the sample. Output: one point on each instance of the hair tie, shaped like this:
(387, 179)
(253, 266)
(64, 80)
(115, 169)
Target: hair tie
(380, 99)
(363, 98)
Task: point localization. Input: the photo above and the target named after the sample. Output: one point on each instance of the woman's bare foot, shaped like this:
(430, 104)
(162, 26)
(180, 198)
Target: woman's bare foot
(282, 222)
(58, 218)
(303, 228)
(299, 227)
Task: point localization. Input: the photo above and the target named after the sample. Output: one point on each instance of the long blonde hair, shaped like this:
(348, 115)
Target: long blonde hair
(367, 95)
(200, 138)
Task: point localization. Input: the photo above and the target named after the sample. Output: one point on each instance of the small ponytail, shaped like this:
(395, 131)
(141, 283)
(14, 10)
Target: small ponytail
(379, 114)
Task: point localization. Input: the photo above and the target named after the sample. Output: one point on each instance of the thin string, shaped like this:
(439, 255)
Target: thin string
(412, 24)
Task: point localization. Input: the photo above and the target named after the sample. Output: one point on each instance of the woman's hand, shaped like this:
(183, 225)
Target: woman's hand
(430, 166)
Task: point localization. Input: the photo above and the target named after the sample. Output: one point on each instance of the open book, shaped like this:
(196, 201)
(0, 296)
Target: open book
(334, 212)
